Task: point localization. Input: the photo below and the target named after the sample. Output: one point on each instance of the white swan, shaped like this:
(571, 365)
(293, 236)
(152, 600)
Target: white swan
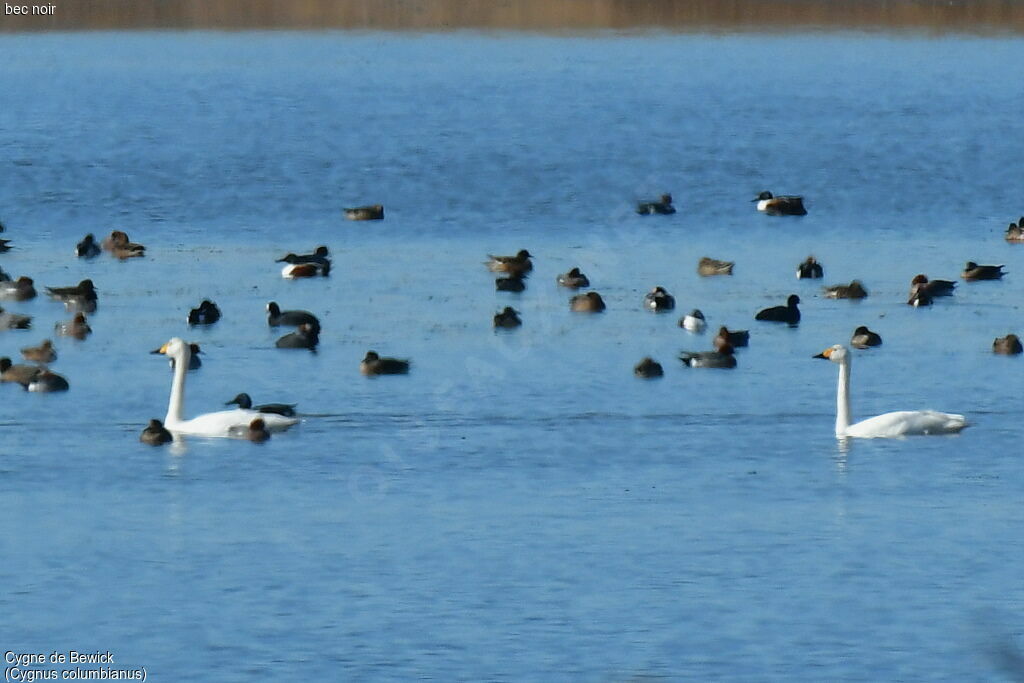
(888, 425)
(208, 424)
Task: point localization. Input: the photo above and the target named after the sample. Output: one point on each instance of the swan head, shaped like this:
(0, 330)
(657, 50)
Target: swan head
(836, 353)
(175, 348)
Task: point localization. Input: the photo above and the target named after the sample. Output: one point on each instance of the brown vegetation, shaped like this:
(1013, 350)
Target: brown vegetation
(980, 16)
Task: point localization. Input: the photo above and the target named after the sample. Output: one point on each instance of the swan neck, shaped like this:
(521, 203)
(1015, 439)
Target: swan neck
(843, 398)
(174, 406)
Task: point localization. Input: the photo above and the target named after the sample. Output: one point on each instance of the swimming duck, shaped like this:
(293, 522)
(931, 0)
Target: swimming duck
(972, 271)
(155, 434)
(780, 206)
(21, 289)
(722, 358)
(46, 381)
(118, 244)
(206, 314)
(932, 288)
(43, 353)
(1015, 233)
(14, 321)
(373, 364)
(854, 290)
(734, 338)
(573, 279)
(209, 424)
(244, 401)
(889, 425)
(648, 368)
(1009, 345)
(256, 431)
(863, 338)
(320, 256)
(194, 361)
(707, 267)
(78, 298)
(782, 314)
(374, 212)
(87, 248)
(659, 300)
(277, 317)
(5, 246)
(77, 327)
(809, 269)
(693, 322)
(512, 283)
(591, 302)
(515, 265)
(298, 267)
(508, 318)
(652, 207)
(307, 336)
(22, 374)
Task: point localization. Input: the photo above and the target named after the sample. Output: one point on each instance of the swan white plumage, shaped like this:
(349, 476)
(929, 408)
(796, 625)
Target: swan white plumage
(208, 424)
(887, 425)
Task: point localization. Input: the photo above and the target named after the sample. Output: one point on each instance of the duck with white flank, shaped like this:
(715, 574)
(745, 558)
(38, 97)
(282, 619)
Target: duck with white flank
(864, 338)
(659, 300)
(21, 289)
(786, 205)
(693, 322)
(656, 207)
(810, 270)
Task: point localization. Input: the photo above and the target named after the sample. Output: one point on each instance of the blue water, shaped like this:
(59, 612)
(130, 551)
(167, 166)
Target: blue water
(519, 507)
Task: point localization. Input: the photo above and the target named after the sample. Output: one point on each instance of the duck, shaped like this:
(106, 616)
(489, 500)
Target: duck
(374, 364)
(889, 425)
(84, 291)
(785, 205)
(659, 300)
(591, 302)
(5, 246)
(21, 374)
(810, 270)
(734, 338)
(43, 353)
(21, 289)
(256, 431)
(919, 297)
(296, 267)
(722, 358)
(46, 381)
(512, 283)
(307, 336)
(707, 267)
(1008, 345)
(320, 256)
(863, 338)
(651, 207)
(573, 279)
(216, 424)
(207, 314)
(276, 317)
(972, 271)
(508, 318)
(854, 290)
(118, 244)
(14, 321)
(519, 264)
(648, 368)
(693, 322)
(782, 314)
(77, 328)
(373, 212)
(155, 434)
(932, 288)
(244, 401)
(87, 248)
(1015, 232)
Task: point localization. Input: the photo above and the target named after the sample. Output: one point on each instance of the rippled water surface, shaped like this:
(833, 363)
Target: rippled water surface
(519, 507)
